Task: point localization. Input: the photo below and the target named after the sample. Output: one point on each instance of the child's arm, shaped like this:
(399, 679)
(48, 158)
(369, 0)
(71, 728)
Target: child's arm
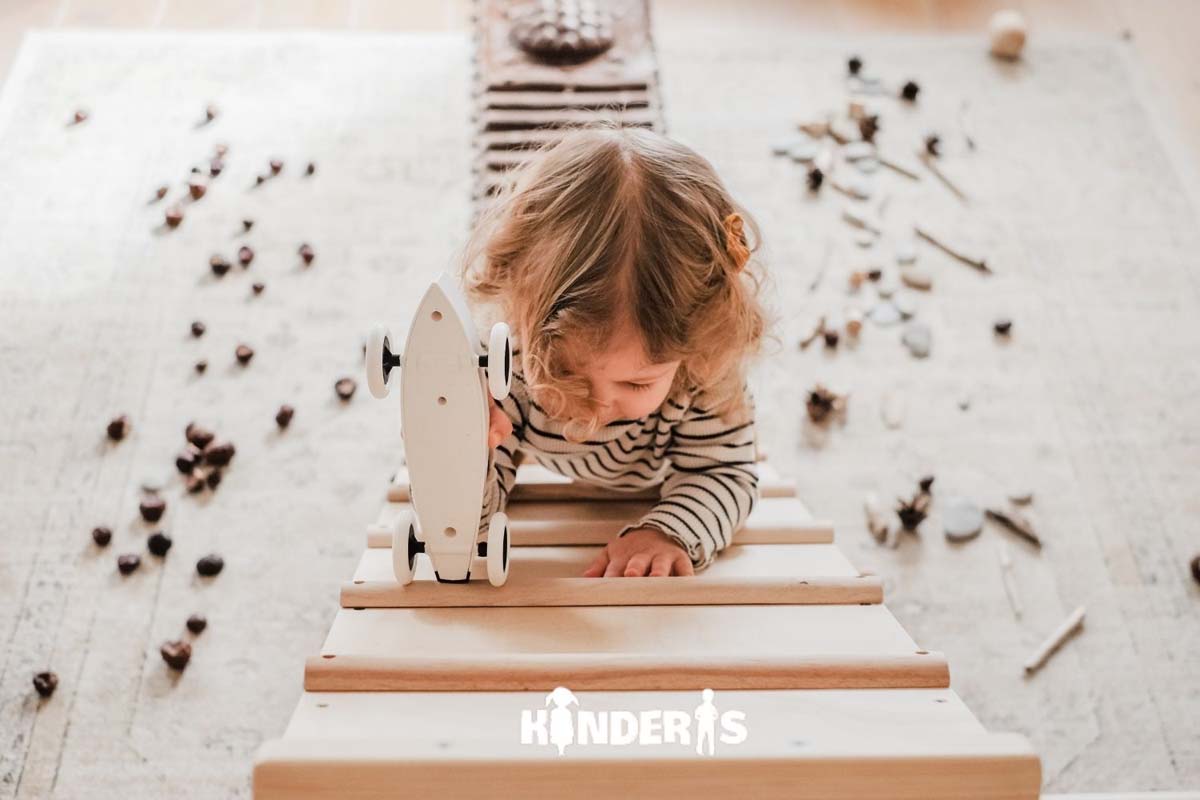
(713, 482)
(501, 468)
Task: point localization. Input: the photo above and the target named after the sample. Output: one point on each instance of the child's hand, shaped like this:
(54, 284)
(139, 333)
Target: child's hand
(641, 551)
(499, 426)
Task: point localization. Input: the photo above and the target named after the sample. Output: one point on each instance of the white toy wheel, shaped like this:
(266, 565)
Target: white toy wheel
(499, 361)
(404, 548)
(497, 549)
(380, 361)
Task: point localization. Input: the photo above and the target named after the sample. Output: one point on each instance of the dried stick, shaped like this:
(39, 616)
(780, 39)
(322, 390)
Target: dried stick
(930, 164)
(976, 263)
(1068, 626)
(812, 337)
(1010, 588)
(816, 281)
(894, 167)
(861, 222)
(1015, 523)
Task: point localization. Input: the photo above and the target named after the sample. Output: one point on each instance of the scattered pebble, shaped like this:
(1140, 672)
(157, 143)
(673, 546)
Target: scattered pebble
(916, 279)
(213, 479)
(102, 535)
(173, 216)
(247, 224)
(210, 565)
(276, 166)
(197, 188)
(933, 145)
(195, 482)
(196, 623)
(283, 417)
(161, 192)
(306, 253)
(216, 167)
(962, 519)
(200, 366)
(200, 437)
(176, 654)
(243, 354)
(159, 543)
(219, 265)
(814, 178)
(1002, 327)
(926, 483)
(1006, 33)
(1022, 498)
(906, 303)
(118, 428)
(918, 339)
(219, 454)
(310, 169)
(152, 508)
(803, 150)
(858, 150)
(245, 255)
(884, 314)
(44, 683)
(80, 117)
(257, 287)
(187, 459)
(913, 512)
(345, 388)
(831, 337)
(906, 251)
(854, 65)
(909, 91)
(128, 562)
(1196, 569)
(198, 329)
(210, 113)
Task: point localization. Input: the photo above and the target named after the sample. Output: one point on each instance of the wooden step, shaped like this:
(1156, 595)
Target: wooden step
(535, 482)
(621, 647)
(550, 576)
(774, 520)
(597, 101)
(881, 743)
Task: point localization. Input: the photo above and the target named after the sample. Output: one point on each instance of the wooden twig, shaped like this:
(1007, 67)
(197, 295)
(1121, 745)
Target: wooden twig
(861, 222)
(1010, 588)
(819, 130)
(816, 281)
(849, 191)
(931, 164)
(1055, 640)
(812, 337)
(1015, 523)
(894, 167)
(976, 263)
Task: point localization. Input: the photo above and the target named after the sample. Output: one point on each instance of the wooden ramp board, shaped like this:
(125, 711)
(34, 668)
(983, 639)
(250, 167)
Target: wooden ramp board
(621, 647)
(776, 520)
(551, 576)
(535, 482)
(981, 767)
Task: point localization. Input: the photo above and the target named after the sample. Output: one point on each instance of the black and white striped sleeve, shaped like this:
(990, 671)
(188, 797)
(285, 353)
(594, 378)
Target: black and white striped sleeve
(501, 468)
(712, 481)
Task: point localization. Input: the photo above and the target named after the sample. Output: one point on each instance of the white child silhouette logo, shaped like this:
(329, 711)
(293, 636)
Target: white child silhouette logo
(706, 723)
(562, 722)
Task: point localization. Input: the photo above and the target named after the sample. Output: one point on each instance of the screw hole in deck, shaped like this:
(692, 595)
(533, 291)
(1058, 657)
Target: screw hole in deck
(437, 315)
(441, 401)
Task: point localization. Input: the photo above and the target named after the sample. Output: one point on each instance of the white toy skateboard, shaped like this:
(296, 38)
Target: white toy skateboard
(444, 416)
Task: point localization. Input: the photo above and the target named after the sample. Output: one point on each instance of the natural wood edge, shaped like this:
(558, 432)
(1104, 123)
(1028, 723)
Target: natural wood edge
(529, 534)
(920, 767)
(669, 591)
(498, 672)
(563, 492)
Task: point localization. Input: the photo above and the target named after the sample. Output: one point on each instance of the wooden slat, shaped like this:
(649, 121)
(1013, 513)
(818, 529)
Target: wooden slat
(982, 767)
(663, 647)
(536, 482)
(565, 99)
(622, 672)
(779, 520)
(521, 119)
(480, 723)
(615, 592)
(550, 576)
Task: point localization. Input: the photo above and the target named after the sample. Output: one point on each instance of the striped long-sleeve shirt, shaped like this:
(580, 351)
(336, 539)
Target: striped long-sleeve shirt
(704, 465)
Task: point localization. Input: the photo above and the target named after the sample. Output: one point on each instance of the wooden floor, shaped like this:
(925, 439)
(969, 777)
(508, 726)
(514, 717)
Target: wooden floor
(1163, 35)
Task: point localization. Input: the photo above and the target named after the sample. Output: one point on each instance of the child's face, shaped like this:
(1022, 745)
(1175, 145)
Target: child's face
(624, 384)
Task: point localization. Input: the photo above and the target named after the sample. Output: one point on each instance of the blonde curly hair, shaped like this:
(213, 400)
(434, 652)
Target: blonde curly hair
(613, 226)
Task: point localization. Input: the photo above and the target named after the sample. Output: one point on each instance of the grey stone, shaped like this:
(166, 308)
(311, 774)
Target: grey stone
(884, 314)
(918, 339)
(962, 519)
(906, 303)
